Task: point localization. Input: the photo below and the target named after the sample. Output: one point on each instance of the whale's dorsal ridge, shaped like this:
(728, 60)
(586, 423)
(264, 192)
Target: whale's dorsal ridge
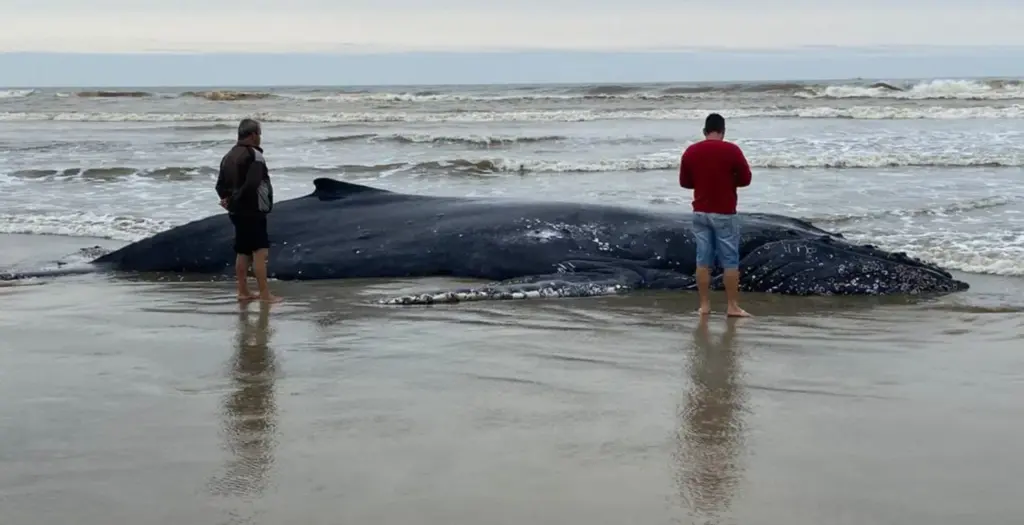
(328, 189)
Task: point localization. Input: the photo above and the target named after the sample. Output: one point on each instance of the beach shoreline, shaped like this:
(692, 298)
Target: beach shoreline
(328, 408)
(28, 252)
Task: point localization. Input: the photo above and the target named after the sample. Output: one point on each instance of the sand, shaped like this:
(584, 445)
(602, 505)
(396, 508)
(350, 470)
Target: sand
(145, 402)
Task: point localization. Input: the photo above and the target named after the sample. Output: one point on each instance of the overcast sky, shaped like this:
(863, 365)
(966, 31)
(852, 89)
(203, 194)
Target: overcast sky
(465, 26)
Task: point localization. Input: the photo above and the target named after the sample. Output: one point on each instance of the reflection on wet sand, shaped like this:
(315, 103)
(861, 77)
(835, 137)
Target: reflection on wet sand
(249, 409)
(710, 435)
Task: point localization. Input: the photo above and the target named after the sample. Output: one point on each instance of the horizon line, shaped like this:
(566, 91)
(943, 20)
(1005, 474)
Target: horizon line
(356, 50)
(524, 84)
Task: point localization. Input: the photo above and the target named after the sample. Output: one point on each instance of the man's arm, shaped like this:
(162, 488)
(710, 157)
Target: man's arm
(742, 169)
(685, 176)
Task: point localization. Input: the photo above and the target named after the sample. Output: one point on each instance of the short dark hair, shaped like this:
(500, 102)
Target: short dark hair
(248, 127)
(715, 123)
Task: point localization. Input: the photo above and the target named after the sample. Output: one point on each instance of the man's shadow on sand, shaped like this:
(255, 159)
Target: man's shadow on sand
(710, 436)
(249, 409)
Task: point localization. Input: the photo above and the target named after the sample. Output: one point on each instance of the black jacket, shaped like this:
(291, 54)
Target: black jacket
(245, 180)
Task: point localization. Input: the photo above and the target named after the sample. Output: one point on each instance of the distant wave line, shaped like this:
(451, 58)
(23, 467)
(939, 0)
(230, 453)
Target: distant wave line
(479, 141)
(409, 139)
(1015, 111)
(937, 89)
(456, 166)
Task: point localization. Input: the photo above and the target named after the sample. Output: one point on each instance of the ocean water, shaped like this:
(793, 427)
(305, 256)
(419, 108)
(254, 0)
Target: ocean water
(168, 402)
(932, 167)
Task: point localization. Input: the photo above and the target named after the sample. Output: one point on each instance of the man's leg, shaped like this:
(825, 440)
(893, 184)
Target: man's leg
(259, 269)
(705, 237)
(727, 235)
(242, 257)
(242, 262)
(261, 249)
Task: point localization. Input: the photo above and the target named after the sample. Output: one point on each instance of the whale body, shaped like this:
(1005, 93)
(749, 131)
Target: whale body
(525, 249)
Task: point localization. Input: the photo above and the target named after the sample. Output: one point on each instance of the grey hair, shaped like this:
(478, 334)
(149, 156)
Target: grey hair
(248, 127)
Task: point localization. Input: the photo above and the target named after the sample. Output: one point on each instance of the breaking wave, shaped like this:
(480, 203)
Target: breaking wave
(498, 165)
(228, 96)
(477, 141)
(935, 89)
(954, 208)
(1015, 111)
(108, 174)
(82, 224)
(15, 93)
(113, 94)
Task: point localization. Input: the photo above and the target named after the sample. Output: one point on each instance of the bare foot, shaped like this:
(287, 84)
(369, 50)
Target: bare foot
(271, 299)
(705, 309)
(736, 311)
(246, 297)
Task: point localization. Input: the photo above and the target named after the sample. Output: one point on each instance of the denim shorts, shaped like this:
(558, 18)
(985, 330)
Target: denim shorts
(718, 236)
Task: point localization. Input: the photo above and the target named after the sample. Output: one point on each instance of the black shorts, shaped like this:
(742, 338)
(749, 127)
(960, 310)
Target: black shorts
(250, 233)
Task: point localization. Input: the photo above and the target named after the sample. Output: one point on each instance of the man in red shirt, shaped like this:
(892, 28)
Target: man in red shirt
(713, 169)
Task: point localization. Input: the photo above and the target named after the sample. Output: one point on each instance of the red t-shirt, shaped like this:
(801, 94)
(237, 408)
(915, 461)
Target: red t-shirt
(713, 169)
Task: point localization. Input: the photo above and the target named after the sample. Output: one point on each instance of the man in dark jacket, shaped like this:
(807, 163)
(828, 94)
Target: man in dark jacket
(245, 191)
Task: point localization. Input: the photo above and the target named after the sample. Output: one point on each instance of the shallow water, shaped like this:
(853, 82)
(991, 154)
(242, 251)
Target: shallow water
(134, 401)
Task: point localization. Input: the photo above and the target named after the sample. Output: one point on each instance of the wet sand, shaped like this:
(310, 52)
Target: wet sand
(150, 402)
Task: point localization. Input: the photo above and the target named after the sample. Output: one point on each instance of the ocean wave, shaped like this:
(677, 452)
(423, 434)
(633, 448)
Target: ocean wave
(930, 90)
(229, 96)
(70, 148)
(670, 161)
(996, 253)
(114, 173)
(1015, 111)
(934, 89)
(215, 95)
(662, 161)
(954, 208)
(478, 141)
(15, 93)
(204, 127)
(938, 89)
(113, 94)
(864, 160)
(583, 92)
(82, 224)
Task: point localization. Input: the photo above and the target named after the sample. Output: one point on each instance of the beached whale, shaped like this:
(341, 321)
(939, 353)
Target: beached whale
(525, 249)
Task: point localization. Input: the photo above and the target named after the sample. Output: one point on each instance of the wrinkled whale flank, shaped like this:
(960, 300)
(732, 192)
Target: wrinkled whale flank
(524, 249)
